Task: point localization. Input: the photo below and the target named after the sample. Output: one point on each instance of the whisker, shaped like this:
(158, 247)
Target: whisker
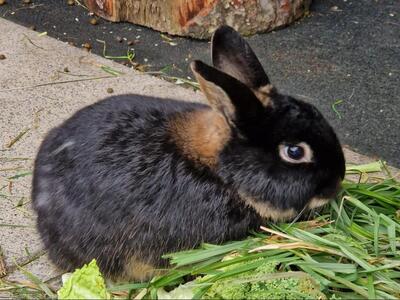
(297, 217)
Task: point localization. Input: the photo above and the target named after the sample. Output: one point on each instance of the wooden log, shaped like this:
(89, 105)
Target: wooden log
(200, 18)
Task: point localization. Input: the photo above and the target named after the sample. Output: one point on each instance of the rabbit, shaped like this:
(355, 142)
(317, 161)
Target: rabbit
(131, 177)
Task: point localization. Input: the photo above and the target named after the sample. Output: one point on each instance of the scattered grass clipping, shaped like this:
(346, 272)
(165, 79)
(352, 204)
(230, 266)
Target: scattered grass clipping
(3, 270)
(17, 138)
(337, 102)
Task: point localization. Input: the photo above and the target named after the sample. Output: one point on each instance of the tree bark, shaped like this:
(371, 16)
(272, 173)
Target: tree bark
(200, 18)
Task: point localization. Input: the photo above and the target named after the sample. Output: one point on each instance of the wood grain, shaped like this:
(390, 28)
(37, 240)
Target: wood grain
(200, 18)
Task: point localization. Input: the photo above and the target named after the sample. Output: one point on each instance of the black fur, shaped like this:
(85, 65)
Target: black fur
(243, 63)
(111, 184)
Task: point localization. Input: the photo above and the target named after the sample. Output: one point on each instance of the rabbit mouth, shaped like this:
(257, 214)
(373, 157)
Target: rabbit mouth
(318, 202)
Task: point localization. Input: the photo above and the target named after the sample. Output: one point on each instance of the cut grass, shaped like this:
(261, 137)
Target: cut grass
(23, 174)
(38, 283)
(18, 137)
(60, 82)
(333, 106)
(163, 73)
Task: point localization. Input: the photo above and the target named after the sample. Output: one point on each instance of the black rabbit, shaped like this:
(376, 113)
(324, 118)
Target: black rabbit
(131, 178)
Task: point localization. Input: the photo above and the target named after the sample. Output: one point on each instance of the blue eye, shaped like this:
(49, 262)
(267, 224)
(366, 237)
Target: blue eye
(294, 152)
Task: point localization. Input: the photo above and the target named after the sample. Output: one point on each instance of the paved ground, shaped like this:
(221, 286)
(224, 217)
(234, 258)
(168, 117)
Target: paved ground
(35, 95)
(345, 50)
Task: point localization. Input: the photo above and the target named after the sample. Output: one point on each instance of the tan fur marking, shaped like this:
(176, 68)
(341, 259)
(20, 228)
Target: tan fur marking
(216, 96)
(201, 135)
(317, 202)
(137, 270)
(264, 94)
(266, 210)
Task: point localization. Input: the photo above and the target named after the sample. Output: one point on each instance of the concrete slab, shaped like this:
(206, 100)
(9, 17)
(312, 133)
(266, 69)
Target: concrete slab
(35, 95)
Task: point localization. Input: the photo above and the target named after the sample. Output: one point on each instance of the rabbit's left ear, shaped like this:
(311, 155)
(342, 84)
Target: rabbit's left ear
(226, 94)
(233, 55)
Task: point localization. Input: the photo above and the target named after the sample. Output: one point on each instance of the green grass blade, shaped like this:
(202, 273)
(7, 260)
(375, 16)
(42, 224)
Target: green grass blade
(371, 288)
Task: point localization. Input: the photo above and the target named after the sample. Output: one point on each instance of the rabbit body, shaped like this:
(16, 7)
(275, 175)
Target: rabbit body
(109, 184)
(131, 178)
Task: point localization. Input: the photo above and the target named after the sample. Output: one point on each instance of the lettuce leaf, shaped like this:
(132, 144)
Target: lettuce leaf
(85, 283)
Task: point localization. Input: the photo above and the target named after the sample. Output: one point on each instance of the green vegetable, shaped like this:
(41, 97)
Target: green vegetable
(266, 283)
(85, 283)
(262, 283)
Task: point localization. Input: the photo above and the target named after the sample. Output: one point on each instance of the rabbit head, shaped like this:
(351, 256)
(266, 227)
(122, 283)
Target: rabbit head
(278, 152)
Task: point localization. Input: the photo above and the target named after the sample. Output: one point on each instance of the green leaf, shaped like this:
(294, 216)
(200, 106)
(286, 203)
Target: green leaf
(85, 283)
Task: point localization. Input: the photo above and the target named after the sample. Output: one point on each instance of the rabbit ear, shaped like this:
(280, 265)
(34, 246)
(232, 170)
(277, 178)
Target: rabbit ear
(227, 94)
(233, 55)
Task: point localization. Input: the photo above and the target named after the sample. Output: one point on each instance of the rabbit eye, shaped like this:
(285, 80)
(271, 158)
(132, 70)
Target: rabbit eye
(296, 153)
